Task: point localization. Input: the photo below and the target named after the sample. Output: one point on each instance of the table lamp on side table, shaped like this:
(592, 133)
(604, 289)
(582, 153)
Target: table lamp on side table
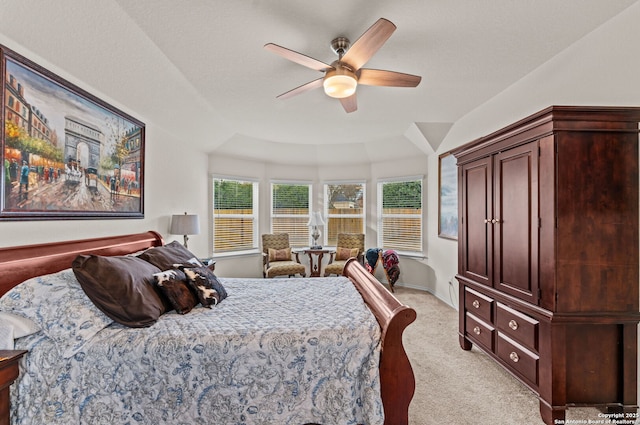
(315, 221)
(187, 224)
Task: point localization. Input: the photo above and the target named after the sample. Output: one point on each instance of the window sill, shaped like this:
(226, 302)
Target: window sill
(234, 254)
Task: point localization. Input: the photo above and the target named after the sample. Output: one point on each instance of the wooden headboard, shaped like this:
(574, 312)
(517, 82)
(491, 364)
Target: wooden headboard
(20, 263)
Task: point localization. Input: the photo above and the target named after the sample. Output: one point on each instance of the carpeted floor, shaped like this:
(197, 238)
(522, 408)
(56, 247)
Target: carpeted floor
(460, 387)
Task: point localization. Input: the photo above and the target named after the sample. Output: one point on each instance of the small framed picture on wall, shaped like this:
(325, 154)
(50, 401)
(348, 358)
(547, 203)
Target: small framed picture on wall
(447, 197)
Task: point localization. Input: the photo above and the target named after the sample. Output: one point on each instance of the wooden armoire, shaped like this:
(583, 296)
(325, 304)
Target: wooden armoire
(548, 254)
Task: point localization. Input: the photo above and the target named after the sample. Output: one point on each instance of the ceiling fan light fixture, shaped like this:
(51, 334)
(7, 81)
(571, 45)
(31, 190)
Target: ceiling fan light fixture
(340, 83)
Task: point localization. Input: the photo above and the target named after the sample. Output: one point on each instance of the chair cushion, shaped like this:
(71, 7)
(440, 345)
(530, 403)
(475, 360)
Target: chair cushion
(334, 268)
(285, 268)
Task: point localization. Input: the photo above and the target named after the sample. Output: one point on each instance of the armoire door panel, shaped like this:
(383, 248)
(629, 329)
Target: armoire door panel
(516, 217)
(477, 207)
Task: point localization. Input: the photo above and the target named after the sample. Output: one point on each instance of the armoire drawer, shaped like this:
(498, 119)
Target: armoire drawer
(478, 304)
(518, 326)
(480, 331)
(518, 358)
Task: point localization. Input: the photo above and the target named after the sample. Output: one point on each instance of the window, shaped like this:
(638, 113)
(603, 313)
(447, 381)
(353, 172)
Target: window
(400, 215)
(235, 215)
(290, 211)
(344, 209)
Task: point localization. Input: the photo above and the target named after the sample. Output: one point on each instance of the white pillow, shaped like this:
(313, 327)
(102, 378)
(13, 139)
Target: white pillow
(21, 325)
(13, 327)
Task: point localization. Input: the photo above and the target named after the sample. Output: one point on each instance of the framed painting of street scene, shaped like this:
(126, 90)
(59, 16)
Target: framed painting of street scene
(66, 154)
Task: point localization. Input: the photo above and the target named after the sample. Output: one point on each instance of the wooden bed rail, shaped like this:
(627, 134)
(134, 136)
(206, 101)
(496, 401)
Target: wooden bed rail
(397, 381)
(20, 263)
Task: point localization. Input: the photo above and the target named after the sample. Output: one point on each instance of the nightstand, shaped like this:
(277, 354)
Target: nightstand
(209, 262)
(9, 371)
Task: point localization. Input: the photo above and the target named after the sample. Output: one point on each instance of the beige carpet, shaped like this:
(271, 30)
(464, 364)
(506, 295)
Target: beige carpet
(460, 387)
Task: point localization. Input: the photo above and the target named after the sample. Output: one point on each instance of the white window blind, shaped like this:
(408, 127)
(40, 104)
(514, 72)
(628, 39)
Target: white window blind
(235, 215)
(290, 211)
(400, 215)
(345, 209)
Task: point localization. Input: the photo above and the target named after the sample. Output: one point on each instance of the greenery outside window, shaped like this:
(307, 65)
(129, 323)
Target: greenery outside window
(290, 211)
(235, 215)
(400, 215)
(345, 209)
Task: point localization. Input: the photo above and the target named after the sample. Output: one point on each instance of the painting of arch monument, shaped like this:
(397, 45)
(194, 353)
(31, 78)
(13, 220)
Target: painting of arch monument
(65, 153)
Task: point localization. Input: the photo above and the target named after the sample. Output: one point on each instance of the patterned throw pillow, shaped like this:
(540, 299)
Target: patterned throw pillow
(209, 290)
(343, 254)
(279, 254)
(175, 286)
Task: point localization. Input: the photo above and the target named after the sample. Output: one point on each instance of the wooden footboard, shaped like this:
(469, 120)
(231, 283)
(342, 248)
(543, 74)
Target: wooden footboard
(397, 381)
(396, 375)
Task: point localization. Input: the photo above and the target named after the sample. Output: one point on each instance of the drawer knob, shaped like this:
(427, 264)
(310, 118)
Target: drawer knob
(513, 324)
(514, 357)
(477, 330)
(476, 303)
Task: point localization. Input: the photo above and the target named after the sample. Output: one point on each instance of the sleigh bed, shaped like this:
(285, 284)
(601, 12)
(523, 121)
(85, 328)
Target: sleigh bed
(290, 351)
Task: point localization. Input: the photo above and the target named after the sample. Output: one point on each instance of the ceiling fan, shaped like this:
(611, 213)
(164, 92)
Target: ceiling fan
(342, 77)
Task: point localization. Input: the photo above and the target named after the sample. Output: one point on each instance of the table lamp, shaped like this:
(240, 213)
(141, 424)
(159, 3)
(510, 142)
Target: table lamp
(185, 224)
(314, 221)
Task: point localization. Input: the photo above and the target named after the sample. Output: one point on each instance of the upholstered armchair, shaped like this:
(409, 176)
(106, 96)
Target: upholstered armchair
(348, 245)
(277, 257)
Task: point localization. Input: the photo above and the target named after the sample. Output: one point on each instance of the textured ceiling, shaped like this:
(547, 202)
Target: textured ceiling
(197, 68)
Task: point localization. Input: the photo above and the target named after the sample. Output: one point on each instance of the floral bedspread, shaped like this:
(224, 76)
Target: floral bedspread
(277, 351)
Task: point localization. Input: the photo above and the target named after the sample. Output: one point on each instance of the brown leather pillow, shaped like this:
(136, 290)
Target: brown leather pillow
(164, 257)
(122, 287)
(343, 254)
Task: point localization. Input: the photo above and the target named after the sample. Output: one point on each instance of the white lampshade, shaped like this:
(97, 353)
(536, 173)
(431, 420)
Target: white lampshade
(185, 224)
(316, 219)
(340, 83)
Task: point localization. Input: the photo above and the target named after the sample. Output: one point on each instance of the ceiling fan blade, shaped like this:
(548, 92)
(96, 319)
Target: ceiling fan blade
(301, 89)
(298, 58)
(378, 77)
(350, 104)
(369, 43)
